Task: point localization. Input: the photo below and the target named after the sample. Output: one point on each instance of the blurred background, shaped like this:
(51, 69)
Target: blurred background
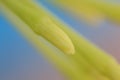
(19, 60)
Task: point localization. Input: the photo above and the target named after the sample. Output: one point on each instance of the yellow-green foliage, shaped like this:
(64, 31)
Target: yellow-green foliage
(81, 9)
(97, 8)
(41, 24)
(88, 62)
(111, 10)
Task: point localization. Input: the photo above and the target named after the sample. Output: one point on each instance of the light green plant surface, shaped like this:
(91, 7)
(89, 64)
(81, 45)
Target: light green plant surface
(88, 62)
(61, 40)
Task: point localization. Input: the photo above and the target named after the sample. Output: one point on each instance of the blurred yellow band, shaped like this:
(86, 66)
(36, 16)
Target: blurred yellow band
(82, 10)
(93, 11)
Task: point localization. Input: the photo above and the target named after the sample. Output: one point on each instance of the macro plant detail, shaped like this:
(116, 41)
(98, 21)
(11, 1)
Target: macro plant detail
(75, 56)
